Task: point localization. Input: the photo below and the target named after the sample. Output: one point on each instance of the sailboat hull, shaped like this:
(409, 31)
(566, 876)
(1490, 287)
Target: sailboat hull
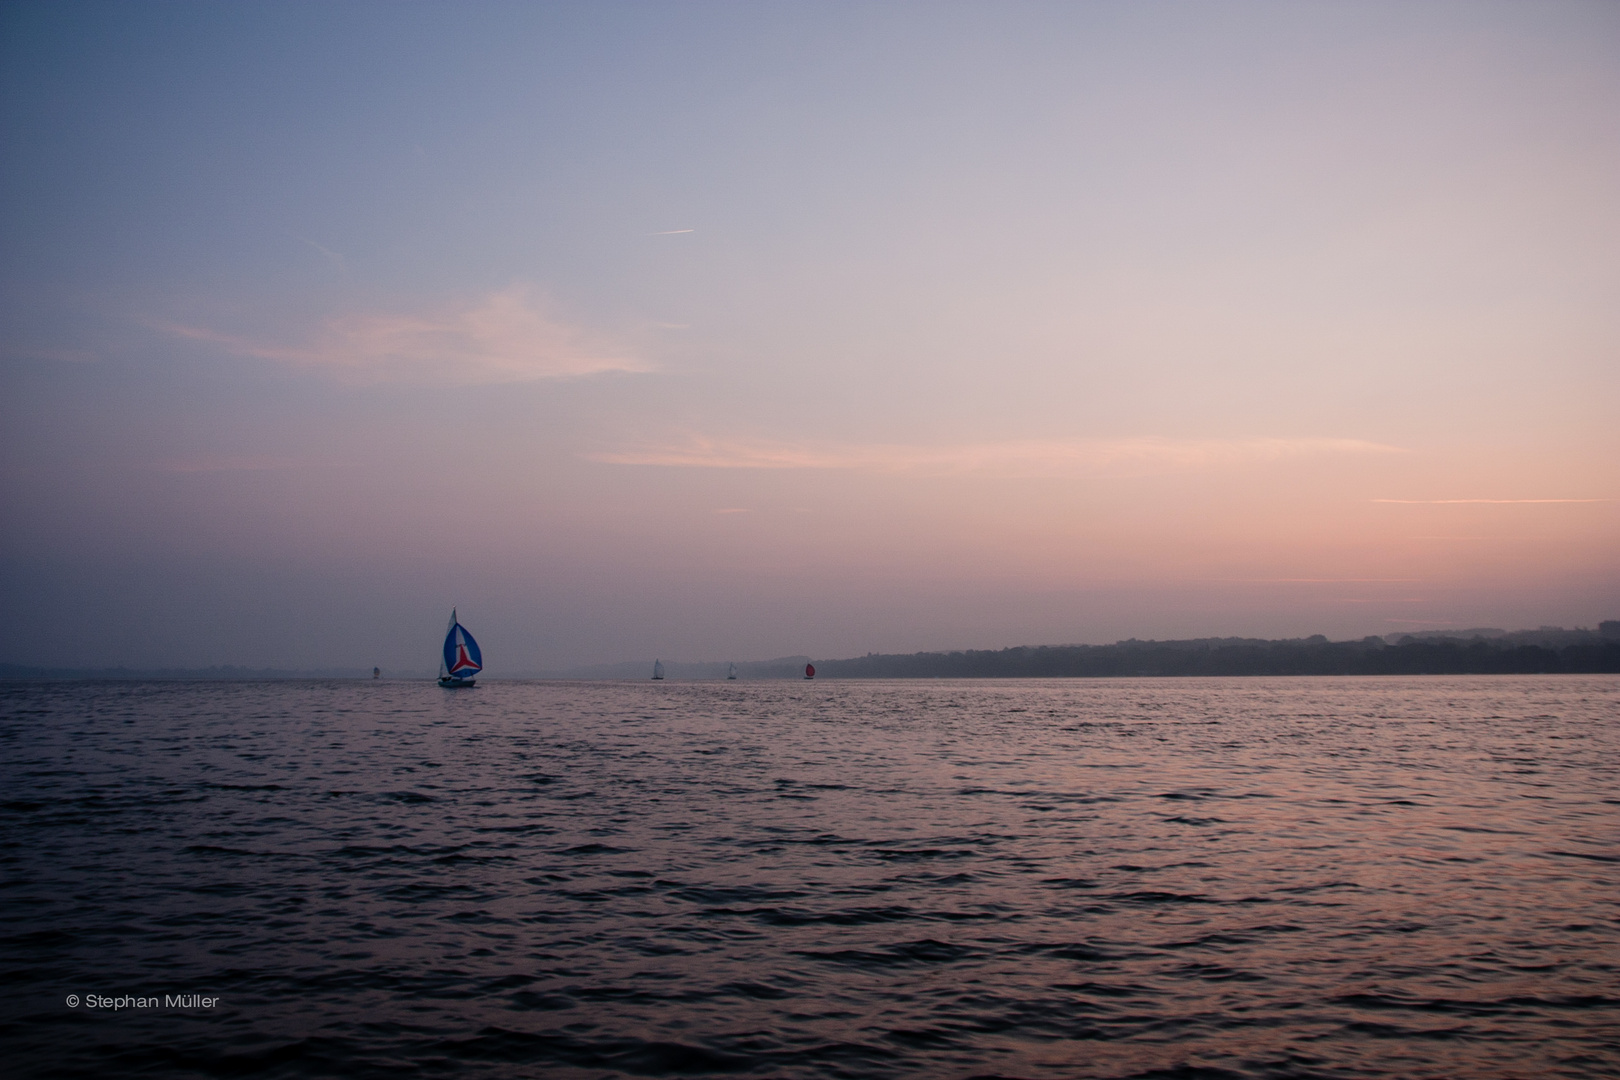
(452, 684)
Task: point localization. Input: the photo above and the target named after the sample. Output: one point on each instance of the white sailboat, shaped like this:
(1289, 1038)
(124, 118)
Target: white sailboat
(732, 672)
(658, 669)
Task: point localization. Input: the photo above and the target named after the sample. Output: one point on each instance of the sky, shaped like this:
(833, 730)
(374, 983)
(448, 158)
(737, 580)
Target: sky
(733, 331)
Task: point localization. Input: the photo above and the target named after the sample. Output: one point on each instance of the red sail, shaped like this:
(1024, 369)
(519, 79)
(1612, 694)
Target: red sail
(809, 671)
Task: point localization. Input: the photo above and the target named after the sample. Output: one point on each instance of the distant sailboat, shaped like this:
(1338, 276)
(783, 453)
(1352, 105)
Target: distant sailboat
(658, 669)
(809, 671)
(376, 673)
(462, 660)
(732, 673)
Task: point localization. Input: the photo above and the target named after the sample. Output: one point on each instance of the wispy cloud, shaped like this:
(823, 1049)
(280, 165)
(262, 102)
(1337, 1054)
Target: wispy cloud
(64, 356)
(1010, 458)
(334, 257)
(211, 463)
(1450, 502)
(671, 232)
(1315, 580)
(504, 337)
(1379, 600)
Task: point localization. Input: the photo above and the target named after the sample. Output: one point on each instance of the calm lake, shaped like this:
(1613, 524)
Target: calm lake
(1336, 877)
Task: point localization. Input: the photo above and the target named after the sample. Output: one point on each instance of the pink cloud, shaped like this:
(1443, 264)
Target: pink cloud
(1010, 458)
(503, 338)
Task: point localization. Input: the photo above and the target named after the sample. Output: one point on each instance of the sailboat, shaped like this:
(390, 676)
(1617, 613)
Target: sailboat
(809, 671)
(462, 660)
(658, 669)
(732, 672)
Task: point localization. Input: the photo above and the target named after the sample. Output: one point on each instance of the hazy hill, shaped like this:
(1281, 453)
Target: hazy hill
(1547, 650)
(785, 667)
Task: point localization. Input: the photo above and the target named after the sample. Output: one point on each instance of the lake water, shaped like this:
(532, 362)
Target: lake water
(1091, 878)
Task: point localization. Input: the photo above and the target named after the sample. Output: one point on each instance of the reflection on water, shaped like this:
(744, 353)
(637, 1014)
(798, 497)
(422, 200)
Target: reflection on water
(1247, 877)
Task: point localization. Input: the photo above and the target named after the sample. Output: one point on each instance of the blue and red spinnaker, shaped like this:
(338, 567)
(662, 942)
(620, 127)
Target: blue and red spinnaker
(461, 655)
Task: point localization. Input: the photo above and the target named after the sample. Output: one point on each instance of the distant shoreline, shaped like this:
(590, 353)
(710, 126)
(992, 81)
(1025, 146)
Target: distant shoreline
(1547, 651)
(227, 673)
(1523, 653)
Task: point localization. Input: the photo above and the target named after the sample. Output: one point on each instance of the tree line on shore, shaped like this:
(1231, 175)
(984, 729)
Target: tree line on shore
(1524, 653)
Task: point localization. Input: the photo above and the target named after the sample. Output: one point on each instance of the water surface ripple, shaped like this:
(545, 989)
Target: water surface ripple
(1092, 878)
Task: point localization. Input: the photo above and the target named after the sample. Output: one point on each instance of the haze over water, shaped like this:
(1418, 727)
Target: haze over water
(731, 331)
(1219, 878)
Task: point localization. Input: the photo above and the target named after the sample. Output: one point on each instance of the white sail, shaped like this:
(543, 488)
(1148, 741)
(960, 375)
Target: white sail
(444, 671)
(658, 669)
(732, 672)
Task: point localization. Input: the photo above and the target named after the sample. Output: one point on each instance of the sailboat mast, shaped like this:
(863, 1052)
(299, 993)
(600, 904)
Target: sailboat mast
(443, 670)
